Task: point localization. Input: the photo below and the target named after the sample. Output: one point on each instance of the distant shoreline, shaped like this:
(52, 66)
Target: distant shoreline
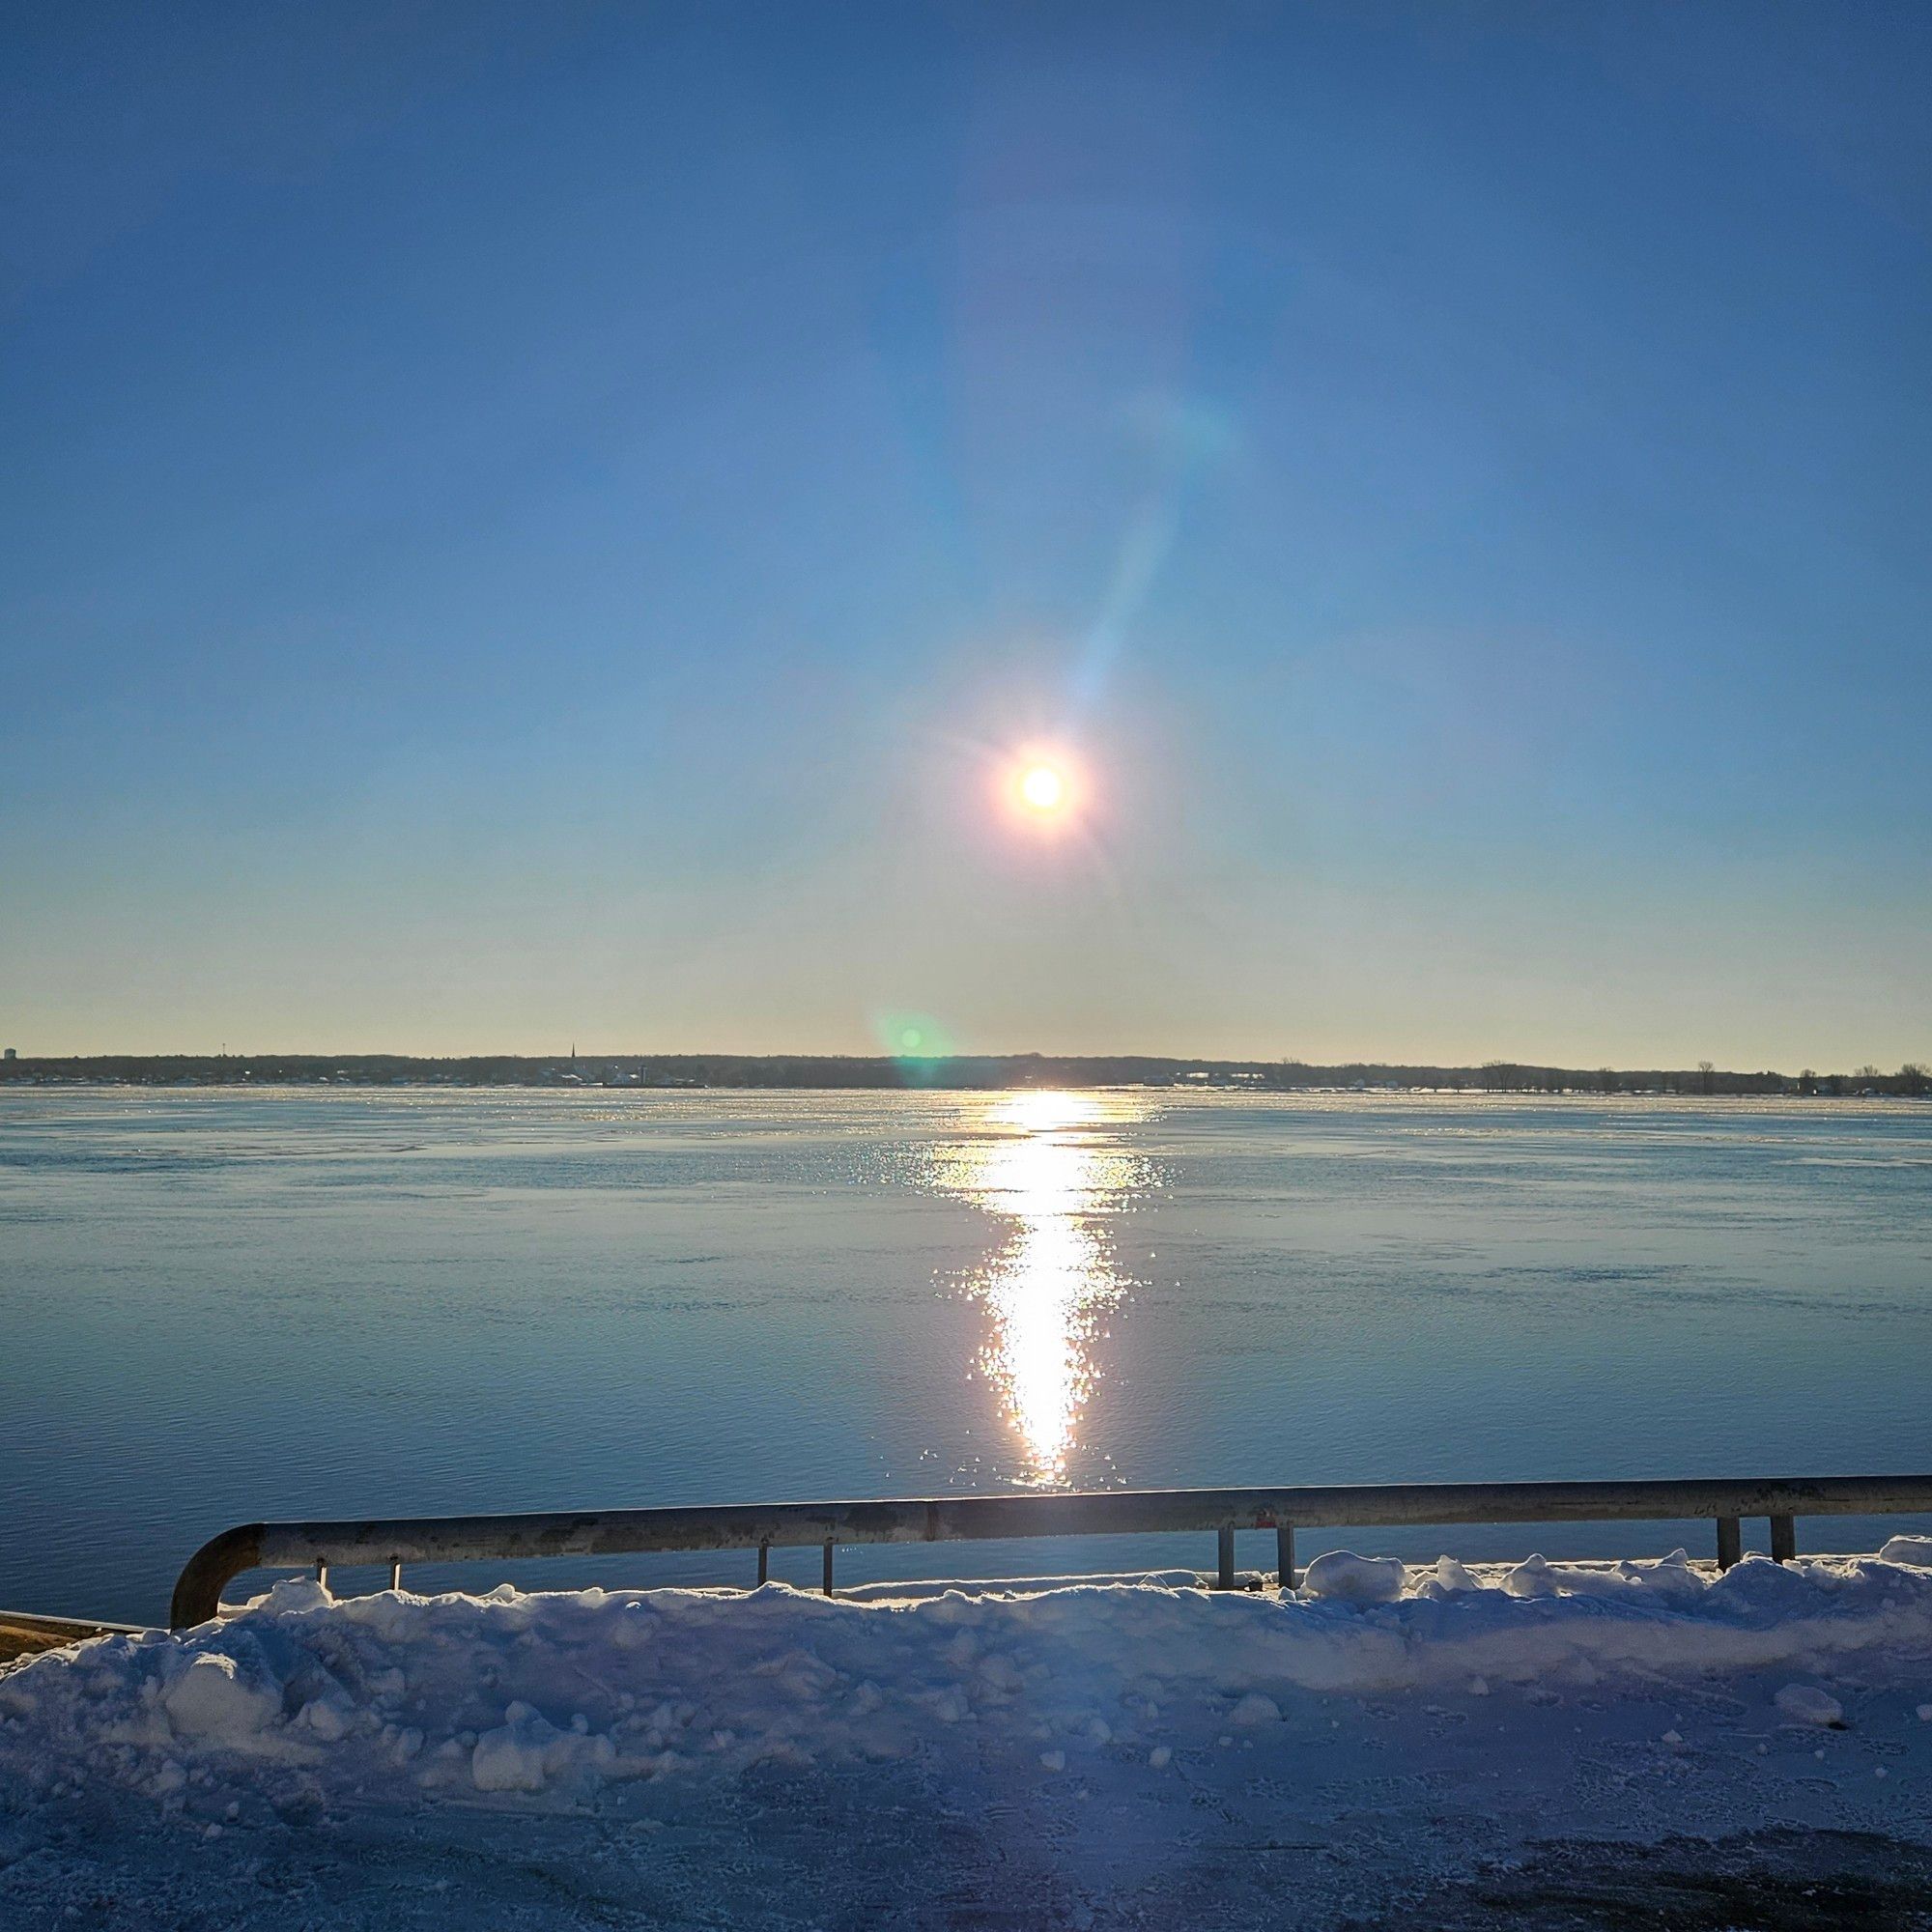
(967, 1073)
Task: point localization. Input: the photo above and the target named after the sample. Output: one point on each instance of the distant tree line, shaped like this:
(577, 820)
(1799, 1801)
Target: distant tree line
(986, 1072)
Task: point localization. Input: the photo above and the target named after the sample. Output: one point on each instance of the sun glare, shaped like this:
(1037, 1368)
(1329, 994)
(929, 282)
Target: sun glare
(1043, 789)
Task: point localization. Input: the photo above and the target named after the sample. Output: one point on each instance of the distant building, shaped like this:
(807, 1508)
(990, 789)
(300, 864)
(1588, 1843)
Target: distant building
(9, 1054)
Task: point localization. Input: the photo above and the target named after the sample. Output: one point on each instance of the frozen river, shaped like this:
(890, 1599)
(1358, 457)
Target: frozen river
(218, 1305)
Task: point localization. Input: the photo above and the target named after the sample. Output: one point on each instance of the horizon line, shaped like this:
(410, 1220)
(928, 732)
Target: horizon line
(910, 1061)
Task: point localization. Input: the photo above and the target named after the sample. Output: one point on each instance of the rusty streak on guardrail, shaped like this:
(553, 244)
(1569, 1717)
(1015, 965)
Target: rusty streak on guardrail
(768, 1526)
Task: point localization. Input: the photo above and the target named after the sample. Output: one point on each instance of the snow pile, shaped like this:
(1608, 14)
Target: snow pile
(397, 1762)
(552, 1700)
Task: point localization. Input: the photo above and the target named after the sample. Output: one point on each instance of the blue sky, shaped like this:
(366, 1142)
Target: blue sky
(524, 525)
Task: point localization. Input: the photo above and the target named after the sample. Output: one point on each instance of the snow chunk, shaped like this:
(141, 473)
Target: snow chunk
(215, 1699)
(507, 1760)
(328, 1717)
(1255, 1709)
(1355, 1579)
(1807, 1704)
(298, 1593)
(516, 1756)
(1532, 1577)
(1912, 1550)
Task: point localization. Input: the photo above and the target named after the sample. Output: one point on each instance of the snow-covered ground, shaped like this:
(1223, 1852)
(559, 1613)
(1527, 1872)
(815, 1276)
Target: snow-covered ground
(1434, 1746)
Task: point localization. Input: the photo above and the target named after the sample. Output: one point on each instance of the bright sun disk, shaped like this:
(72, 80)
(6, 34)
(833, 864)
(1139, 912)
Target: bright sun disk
(1043, 789)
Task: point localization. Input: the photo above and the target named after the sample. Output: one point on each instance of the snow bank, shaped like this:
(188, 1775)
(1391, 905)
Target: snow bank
(550, 1700)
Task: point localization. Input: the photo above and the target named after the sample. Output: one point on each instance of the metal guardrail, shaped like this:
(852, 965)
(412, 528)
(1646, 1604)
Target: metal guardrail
(768, 1526)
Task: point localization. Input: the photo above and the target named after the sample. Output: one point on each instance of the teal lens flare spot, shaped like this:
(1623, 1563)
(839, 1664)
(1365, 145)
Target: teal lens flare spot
(914, 1039)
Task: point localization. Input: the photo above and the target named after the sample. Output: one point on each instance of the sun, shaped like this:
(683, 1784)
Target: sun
(1042, 789)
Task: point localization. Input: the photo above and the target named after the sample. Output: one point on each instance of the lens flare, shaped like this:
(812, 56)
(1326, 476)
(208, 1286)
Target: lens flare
(918, 1041)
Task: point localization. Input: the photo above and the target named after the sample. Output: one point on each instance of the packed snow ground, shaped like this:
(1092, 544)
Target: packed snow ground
(1098, 1754)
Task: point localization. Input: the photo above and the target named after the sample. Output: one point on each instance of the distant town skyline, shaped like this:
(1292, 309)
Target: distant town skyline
(522, 524)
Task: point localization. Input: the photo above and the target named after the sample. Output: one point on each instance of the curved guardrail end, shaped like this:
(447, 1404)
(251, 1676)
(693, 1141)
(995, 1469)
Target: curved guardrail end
(198, 1589)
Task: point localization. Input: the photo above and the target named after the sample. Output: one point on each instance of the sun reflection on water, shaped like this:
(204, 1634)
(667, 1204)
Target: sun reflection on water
(1051, 1171)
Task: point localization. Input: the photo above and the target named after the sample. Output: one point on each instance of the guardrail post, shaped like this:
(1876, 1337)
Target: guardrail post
(1730, 1542)
(764, 1563)
(1283, 1553)
(828, 1568)
(1223, 1542)
(395, 1574)
(321, 1571)
(1783, 1538)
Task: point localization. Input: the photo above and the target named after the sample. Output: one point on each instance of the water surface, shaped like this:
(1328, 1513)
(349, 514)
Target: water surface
(218, 1305)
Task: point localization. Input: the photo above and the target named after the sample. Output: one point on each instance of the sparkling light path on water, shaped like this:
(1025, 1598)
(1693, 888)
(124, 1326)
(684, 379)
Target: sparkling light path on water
(1054, 1174)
